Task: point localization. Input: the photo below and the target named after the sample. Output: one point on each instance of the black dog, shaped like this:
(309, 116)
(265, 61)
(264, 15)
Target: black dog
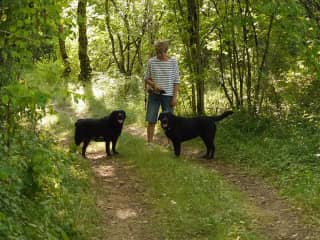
(106, 129)
(180, 129)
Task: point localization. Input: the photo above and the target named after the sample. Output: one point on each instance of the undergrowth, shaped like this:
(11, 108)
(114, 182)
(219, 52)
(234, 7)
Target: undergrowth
(285, 152)
(45, 192)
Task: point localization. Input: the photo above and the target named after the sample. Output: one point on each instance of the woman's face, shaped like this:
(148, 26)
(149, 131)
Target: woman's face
(162, 56)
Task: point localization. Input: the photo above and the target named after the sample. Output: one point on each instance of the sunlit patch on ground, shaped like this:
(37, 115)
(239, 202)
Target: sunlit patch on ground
(78, 104)
(49, 120)
(104, 171)
(98, 91)
(97, 150)
(95, 156)
(126, 213)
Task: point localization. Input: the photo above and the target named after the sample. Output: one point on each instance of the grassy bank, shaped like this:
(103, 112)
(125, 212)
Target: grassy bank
(286, 153)
(45, 192)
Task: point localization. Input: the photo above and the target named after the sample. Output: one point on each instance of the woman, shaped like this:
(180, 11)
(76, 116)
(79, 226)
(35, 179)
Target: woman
(162, 81)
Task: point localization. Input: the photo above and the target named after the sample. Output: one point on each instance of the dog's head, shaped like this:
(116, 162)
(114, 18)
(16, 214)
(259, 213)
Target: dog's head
(165, 119)
(118, 116)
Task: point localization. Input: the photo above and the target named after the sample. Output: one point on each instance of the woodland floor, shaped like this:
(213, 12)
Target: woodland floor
(126, 215)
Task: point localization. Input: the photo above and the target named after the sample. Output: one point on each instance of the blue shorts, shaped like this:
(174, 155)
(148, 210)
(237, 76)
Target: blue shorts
(154, 102)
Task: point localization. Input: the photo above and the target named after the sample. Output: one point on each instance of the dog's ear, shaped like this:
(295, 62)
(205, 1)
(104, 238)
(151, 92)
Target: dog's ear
(162, 115)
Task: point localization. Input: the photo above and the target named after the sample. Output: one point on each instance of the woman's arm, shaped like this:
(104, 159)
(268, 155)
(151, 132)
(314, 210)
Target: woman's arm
(152, 84)
(175, 95)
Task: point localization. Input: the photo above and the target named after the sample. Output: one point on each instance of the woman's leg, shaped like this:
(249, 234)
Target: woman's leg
(166, 104)
(153, 106)
(150, 132)
(166, 107)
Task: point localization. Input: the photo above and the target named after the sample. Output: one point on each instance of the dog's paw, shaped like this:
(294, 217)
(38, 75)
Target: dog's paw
(205, 156)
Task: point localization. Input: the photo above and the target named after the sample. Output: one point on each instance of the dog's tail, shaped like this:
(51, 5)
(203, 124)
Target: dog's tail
(222, 116)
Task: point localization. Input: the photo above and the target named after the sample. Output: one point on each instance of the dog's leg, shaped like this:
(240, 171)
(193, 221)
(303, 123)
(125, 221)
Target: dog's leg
(207, 154)
(114, 142)
(210, 147)
(177, 148)
(108, 148)
(84, 147)
(212, 151)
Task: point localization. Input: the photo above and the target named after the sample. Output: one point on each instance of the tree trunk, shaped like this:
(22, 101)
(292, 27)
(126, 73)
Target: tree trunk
(195, 50)
(221, 67)
(63, 52)
(85, 68)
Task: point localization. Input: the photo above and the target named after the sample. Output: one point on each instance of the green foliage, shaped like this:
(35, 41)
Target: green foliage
(44, 192)
(286, 152)
(27, 31)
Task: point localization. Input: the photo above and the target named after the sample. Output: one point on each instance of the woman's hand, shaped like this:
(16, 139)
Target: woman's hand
(173, 101)
(156, 87)
(153, 85)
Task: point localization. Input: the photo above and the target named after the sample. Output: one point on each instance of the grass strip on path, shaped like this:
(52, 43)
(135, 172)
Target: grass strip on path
(188, 201)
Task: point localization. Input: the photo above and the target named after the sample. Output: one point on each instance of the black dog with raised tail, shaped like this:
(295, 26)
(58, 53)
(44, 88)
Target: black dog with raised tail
(180, 129)
(106, 129)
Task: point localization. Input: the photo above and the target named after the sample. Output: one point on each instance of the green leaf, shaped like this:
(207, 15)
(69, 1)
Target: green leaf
(64, 235)
(4, 173)
(5, 99)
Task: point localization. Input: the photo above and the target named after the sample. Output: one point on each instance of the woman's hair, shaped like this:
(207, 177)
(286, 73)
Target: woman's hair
(161, 46)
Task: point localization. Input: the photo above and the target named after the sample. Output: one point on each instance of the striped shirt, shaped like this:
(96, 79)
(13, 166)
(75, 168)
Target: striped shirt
(164, 73)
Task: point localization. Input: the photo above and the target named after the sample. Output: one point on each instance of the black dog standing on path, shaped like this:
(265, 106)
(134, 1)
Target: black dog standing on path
(106, 129)
(180, 129)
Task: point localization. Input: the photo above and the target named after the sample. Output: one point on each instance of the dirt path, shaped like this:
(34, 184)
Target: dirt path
(126, 216)
(120, 199)
(273, 214)
(274, 217)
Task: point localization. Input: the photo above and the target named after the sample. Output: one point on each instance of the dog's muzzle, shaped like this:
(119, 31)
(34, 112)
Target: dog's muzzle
(164, 125)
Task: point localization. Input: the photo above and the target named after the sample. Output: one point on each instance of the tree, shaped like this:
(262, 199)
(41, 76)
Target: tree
(28, 34)
(187, 14)
(126, 23)
(85, 68)
(244, 45)
(63, 51)
(313, 9)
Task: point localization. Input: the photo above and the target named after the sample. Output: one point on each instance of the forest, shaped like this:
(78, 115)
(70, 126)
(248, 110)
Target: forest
(61, 60)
